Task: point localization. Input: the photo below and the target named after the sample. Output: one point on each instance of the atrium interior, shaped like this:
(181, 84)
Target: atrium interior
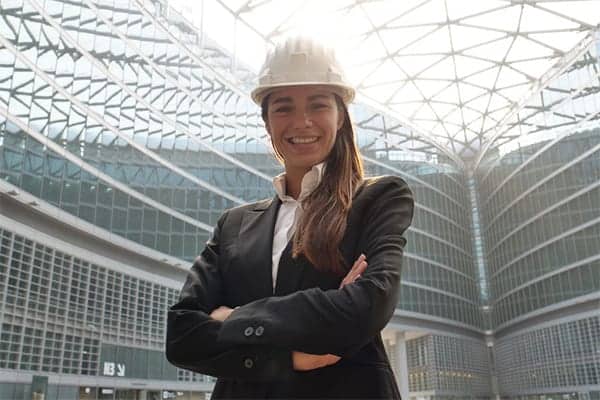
(126, 129)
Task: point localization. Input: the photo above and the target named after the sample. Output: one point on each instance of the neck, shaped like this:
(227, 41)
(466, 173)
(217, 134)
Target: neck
(293, 181)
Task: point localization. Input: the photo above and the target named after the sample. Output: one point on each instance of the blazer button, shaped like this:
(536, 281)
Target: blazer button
(259, 331)
(248, 363)
(248, 331)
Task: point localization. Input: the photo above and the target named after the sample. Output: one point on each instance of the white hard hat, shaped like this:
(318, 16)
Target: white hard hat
(301, 61)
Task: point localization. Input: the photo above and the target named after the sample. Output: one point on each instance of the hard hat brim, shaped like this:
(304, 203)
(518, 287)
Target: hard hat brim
(345, 92)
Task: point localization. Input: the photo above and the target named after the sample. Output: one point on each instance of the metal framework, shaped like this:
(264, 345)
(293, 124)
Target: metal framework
(454, 71)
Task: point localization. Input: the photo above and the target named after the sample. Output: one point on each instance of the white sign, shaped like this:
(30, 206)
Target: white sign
(110, 370)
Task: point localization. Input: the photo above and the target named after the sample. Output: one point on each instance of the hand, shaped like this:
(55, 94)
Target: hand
(307, 362)
(221, 313)
(357, 269)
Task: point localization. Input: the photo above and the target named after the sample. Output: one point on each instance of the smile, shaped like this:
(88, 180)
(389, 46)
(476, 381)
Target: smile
(303, 140)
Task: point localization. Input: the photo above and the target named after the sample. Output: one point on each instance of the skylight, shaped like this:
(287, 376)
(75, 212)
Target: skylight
(454, 70)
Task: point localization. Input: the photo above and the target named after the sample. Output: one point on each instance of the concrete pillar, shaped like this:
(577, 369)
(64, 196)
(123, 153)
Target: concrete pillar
(401, 365)
(143, 395)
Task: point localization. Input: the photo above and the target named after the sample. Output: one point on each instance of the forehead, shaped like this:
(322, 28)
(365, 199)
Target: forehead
(301, 93)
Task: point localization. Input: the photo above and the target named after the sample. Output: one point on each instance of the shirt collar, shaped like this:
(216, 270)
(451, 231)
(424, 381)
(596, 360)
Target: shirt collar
(309, 182)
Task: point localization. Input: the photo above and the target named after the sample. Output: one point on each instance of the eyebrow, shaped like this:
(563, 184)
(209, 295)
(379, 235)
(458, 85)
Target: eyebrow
(310, 98)
(282, 100)
(318, 96)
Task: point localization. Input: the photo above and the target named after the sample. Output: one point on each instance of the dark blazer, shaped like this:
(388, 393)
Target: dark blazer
(250, 352)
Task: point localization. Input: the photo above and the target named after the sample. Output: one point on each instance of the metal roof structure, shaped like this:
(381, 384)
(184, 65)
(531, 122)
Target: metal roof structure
(453, 70)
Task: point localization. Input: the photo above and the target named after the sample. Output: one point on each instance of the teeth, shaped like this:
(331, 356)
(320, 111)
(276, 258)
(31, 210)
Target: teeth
(303, 139)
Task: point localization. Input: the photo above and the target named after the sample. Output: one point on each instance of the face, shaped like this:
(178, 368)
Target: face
(303, 122)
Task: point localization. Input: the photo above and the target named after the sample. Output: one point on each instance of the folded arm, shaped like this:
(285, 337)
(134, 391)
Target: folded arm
(305, 361)
(337, 321)
(192, 334)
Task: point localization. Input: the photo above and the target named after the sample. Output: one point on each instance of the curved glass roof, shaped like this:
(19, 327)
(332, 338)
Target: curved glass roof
(453, 70)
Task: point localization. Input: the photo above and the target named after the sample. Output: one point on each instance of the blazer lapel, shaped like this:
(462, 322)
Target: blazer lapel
(256, 244)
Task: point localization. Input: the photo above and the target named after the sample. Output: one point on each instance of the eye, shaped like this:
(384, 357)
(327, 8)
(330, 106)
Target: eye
(282, 109)
(319, 106)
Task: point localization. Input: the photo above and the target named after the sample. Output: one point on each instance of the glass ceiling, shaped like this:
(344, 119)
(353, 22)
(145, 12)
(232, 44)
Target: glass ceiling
(453, 70)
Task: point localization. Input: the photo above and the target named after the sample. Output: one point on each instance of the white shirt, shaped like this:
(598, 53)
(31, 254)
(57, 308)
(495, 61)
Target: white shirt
(290, 211)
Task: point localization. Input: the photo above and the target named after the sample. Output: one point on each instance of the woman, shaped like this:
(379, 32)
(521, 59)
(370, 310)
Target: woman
(281, 303)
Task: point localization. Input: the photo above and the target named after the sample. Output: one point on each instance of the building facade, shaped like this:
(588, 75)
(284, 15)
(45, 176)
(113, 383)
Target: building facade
(122, 139)
(539, 201)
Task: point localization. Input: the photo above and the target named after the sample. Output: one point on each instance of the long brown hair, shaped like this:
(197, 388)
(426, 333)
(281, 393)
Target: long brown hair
(325, 211)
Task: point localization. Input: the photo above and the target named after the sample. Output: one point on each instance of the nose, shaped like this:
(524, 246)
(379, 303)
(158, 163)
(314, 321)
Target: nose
(302, 119)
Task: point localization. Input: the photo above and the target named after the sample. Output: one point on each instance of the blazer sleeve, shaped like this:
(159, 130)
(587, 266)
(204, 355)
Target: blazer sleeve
(192, 334)
(338, 321)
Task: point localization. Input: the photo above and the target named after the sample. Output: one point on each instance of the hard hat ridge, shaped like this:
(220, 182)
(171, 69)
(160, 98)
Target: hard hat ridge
(301, 61)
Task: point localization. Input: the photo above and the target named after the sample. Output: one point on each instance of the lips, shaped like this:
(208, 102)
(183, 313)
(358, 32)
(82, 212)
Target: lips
(303, 139)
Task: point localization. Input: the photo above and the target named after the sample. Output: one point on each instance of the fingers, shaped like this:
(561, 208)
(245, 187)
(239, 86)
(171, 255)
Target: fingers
(332, 359)
(354, 273)
(304, 361)
(307, 362)
(221, 313)
(360, 265)
(360, 258)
